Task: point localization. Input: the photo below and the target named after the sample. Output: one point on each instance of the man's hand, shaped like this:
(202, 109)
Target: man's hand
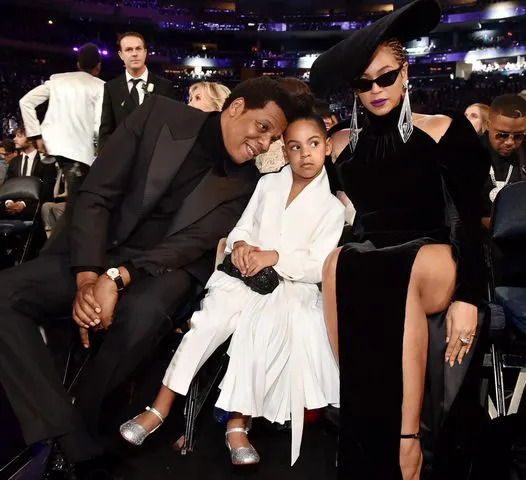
(240, 255)
(85, 309)
(106, 295)
(258, 260)
(14, 208)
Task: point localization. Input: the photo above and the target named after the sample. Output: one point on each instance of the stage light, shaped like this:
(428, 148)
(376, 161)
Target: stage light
(50, 22)
(75, 49)
(105, 52)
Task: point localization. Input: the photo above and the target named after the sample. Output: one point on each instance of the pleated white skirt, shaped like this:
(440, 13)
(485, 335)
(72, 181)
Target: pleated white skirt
(280, 357)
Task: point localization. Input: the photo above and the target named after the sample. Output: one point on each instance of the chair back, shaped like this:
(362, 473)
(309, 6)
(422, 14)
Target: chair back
(21, 188)
(508, 236)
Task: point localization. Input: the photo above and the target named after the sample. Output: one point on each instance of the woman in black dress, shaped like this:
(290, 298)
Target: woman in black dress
(415, 181)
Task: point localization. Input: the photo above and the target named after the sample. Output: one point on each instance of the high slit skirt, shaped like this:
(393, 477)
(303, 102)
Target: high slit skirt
(371, 292)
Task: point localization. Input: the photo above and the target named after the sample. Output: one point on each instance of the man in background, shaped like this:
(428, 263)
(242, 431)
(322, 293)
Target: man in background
(505, 135)
(27, 163)
(7, 153)
(71, 124)
(126, 92)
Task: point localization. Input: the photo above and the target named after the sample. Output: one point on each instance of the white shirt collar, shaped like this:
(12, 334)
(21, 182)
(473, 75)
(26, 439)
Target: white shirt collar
(31, 156)
(143, 77)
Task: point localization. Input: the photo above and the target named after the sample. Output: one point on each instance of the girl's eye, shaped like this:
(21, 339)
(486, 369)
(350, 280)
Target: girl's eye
(294, 148)
(315, 143)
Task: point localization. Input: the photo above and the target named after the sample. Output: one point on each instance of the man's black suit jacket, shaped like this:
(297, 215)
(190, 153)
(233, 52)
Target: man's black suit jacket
(46, 172)
(130, 177)
(118, 103)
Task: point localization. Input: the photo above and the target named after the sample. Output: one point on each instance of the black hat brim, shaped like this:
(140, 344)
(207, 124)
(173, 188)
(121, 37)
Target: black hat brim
(347, 60)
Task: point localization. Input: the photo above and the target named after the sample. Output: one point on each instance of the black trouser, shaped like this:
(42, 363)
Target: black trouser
(41, 291)
(74, 174)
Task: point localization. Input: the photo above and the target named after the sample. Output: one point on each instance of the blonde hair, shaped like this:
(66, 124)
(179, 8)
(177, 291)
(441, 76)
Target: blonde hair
(216, 92)
(484, 115)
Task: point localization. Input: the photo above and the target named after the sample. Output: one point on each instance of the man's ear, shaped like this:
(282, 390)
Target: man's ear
(237, 107)
(328, 147)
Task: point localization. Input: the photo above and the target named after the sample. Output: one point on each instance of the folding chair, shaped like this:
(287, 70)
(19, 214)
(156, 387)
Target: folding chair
(508, 295)
(204, 381)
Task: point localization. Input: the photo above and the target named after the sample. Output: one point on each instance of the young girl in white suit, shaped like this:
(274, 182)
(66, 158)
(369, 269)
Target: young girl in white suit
(280, 358)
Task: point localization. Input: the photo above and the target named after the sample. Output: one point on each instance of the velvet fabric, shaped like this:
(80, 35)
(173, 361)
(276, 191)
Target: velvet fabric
(406, 196)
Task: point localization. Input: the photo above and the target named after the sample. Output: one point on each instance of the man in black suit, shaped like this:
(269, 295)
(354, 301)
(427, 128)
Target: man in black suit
(28, 163)
(171, 181)
(125, 93)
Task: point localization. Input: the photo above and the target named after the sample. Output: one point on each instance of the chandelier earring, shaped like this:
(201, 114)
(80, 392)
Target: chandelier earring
(405, 122)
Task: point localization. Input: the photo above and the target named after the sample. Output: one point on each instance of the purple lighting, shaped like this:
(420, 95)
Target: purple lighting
(75, 49)
(105, 52)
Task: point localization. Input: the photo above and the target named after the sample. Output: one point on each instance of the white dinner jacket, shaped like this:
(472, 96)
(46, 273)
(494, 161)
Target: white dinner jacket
(71, 125)
(303, 234)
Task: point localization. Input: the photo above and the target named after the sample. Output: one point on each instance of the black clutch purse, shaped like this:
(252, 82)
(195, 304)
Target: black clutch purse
(263, 282)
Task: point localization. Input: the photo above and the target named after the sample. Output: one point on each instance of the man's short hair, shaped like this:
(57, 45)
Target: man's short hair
(19, 130)
(89, 56)
(130, 34)
(257, 92)
(9, 145)
(509, 105)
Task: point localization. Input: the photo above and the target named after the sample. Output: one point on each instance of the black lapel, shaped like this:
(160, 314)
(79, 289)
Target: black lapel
(210, 193)
(167, 158)
(36, 162)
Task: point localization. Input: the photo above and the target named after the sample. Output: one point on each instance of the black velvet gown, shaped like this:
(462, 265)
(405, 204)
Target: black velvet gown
(406, 196)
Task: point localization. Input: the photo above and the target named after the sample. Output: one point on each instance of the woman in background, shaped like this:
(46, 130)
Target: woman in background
(478, 114)
(208, 96)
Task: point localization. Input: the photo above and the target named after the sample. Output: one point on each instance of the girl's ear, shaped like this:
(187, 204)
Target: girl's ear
(285, 153)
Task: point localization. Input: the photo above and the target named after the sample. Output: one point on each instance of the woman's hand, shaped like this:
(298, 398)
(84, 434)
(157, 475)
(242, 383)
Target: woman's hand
(461, 327)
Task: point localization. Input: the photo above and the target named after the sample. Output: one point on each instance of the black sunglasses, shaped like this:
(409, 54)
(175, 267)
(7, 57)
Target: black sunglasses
(362, 85)
(503, 136)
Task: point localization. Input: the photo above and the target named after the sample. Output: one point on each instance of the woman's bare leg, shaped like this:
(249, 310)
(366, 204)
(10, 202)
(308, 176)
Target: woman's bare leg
(430, 289)
(163, 403)
(330, 311)
(237, 439)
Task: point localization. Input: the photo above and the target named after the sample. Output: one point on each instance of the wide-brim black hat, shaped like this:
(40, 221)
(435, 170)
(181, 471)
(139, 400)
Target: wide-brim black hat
(349, 58)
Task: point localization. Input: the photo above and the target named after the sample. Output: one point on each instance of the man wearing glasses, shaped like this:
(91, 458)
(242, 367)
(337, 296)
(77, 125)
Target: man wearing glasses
(504, 140)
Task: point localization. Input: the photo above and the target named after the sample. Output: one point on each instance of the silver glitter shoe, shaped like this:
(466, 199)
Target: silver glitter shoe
(241, 455)
(134, 433)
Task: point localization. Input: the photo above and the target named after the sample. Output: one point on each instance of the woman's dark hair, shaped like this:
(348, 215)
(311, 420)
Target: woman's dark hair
(397, 48)
(257, 92)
